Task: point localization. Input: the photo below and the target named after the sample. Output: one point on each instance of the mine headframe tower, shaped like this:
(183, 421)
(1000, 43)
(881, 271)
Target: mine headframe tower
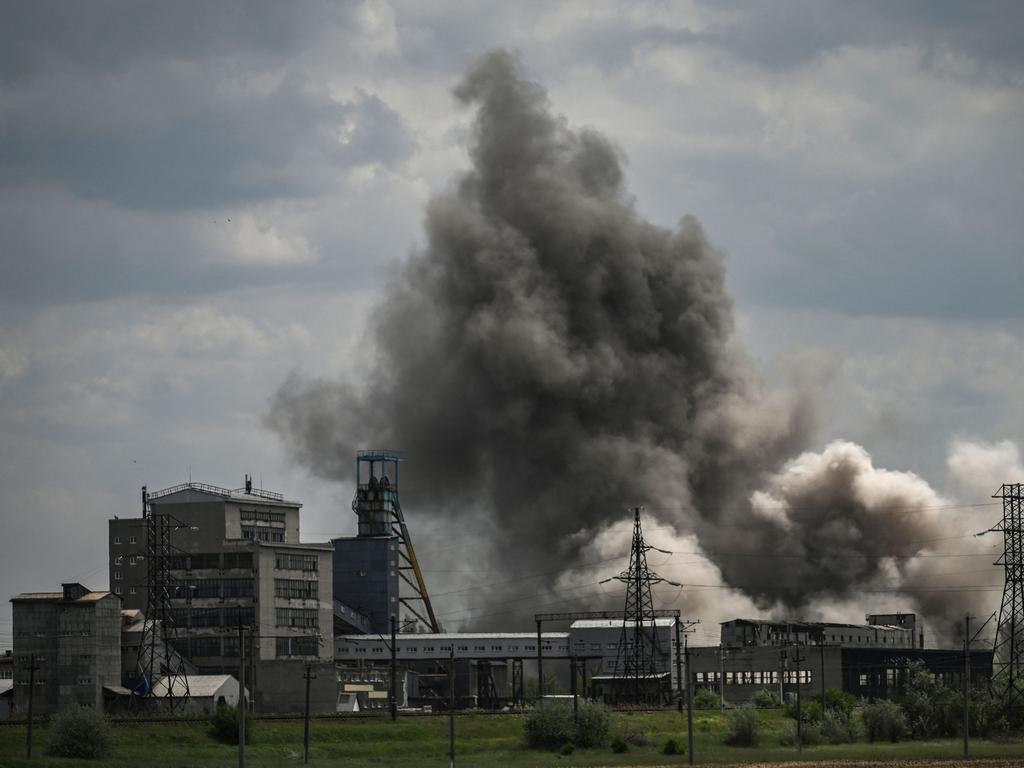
(1008, 650)
(377, 505)
(157, 657)
(639, 649)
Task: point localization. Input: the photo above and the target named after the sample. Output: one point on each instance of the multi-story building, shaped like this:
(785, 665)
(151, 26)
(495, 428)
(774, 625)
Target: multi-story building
(237, 562)
(73, 637)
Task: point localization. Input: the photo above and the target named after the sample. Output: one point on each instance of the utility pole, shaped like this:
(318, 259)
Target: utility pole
(679, 669)
(241, 696)
(575, 698)
(310, 675)
(821, 647)
(721, 672)
(540, 669)
(799, 725)
(967, 684)
(394, 668)
(689, 696)
(31, 689)
(451, 707)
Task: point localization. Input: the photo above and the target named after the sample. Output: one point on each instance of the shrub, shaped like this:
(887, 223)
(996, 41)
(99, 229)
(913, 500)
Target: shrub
(672, 747)
(837, 701)
(567, 748)
(765, 699)
(224, 725)
(619, 745)
(810, 711)
(742, 728)
(551, 726)
(810, 734)
(636, 736)
(705, 699)
(595, 723)
(838, 727)
(79, 732)
(884, 721)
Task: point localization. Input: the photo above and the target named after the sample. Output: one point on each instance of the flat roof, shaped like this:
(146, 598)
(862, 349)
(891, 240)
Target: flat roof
(618, 623)
(453, 636)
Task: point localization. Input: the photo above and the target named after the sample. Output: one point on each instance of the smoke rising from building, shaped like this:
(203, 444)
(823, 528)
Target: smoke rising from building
(549, 358)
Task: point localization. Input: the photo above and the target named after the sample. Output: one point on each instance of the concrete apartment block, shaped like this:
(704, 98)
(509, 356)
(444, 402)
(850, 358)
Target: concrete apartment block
(75, 638)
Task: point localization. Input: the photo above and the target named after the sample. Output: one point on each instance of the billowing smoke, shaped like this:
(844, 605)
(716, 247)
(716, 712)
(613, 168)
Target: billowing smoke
(550, 357)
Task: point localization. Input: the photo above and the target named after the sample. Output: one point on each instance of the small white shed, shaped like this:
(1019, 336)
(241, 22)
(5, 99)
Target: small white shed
(205, 692)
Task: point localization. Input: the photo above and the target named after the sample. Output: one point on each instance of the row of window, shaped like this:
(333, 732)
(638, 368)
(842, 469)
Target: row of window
(252, 515)
(211, 561)
(262, 534)
(755, 677)
(200, 618)
(298, 617)
(298, 589)
(297, 562)
(131, 540)
(214, 588)
(132, 559)
(463, 648)
(298, 646)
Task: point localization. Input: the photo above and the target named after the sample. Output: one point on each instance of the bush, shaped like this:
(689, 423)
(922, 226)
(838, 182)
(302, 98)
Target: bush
(619, 745)
(706, 699)
(742, 728)
(672, 747)
(884, 721)
(837, 701)
(810, 711)
(636, 736)
(224, 725)
(810, 734)
(595, 723)
(79, 732)
(765, 699)
(551, 726)
(567, 748)
(838, 727)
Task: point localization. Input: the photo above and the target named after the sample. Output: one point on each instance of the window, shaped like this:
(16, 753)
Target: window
(479, 648)
(117, 575)
(117, 539)
(296, 589)
(595, 646)
(300, 646)
(131, 540)
(131, 560)
(238, 587)
(296, 562)
(205, 646)
(131, 590)
(206, 617)
(201, 588)
(256, 515)
(700, 677)
(238, 560)
(863, 680)
(118, 560)
(262, 534)
(85, 681)
(298, 617)
(240, 615)
(117, 590)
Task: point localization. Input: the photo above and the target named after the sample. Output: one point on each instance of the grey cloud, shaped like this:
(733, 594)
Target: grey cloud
(792, 33)
(172, 140)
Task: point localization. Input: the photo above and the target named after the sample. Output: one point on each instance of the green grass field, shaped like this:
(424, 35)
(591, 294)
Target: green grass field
(481, 741)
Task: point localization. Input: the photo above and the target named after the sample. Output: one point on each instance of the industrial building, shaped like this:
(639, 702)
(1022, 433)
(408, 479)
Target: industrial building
(238, 562)
(73, 638)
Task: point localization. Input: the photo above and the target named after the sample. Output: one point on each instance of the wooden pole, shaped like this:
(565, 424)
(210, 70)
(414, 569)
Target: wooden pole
(305, 729)
(31, 689)
(967, 685)
(241, 696)
(451, 708)
(689, 702)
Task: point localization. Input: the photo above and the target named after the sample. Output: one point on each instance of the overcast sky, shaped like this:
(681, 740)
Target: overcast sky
(197, 199)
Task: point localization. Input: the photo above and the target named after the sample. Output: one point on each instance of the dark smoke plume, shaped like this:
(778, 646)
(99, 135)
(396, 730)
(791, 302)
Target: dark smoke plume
(550, 357)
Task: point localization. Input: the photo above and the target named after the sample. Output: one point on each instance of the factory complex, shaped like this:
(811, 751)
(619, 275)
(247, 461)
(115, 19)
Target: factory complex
(214, 598)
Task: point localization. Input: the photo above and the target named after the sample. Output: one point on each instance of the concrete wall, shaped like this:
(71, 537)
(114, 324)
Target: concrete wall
(366, 578)
(750, 670)
(281, 688)
(268, 573)
(36, 632)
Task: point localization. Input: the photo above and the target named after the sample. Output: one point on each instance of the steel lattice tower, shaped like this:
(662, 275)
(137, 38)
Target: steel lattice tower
(156, 657)
(639, 650)
(1008, 651)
